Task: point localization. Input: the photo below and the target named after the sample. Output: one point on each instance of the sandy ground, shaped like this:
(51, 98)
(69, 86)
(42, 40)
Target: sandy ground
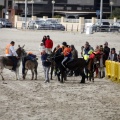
(35, 100)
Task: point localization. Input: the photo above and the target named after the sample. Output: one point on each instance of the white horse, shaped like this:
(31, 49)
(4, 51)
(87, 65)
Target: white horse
(7, 63)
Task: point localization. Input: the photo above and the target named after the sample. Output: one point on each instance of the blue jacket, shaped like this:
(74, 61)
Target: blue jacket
(44, 58)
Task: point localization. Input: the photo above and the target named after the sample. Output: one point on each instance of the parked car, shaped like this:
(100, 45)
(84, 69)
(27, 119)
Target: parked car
(35, 24)
(116, 24)
(104, 26)
(52, 25)
(5, 23)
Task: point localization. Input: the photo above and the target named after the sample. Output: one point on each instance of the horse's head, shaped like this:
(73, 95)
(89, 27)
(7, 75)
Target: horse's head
(21, 52)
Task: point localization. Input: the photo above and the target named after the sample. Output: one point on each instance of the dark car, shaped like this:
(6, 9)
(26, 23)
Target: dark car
(5, 23)
(104, 26)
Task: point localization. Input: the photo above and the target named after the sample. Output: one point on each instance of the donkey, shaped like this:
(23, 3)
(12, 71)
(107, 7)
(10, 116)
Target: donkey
(31, 65)
(5, 62)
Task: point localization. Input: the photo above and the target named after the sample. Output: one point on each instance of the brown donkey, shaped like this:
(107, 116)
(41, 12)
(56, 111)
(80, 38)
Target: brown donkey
(31, 65)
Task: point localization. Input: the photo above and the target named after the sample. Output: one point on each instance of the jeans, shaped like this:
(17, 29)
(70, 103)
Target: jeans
(46, 73)
(14, 60)
(64, 61)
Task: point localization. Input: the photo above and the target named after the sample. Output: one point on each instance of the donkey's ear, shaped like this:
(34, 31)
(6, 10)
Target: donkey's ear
(18, 46)
(23, 46)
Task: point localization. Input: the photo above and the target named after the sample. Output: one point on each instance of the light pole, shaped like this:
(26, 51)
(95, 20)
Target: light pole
(53, 2)
(25, 14)
(32, 7)
(101, 11)
(111, 4)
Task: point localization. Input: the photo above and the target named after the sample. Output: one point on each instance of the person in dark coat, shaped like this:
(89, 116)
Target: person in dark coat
(113, 55)
(106, 51)
(44, 39)
(46, 65)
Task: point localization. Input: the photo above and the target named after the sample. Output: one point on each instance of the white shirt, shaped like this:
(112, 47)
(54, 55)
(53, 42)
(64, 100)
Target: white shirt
(12, 52)
(41, 48)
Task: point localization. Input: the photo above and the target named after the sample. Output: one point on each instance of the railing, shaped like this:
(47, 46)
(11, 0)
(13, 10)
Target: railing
(113, 70)
(23, 18)
(71, 20)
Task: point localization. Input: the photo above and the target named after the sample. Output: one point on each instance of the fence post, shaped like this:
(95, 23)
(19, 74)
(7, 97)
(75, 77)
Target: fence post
(66, 27)
(72, 28)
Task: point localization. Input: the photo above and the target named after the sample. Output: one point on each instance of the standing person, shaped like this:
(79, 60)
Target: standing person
(106, 51)
(41, 47)
(46, 65)
(48, 45)
(119, 57)
(74, 52)
(113, 55)
(44, 39)
(11, 54)
(86, 51)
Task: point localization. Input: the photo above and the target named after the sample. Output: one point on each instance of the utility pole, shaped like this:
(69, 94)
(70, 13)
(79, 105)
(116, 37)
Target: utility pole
(101, 11)
(25, 14)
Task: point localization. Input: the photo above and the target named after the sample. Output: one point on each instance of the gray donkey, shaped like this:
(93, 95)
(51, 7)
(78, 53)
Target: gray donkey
(31, 65)
(5, 62)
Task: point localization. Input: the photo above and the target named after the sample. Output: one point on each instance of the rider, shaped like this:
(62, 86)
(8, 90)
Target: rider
(67, 54)
(11, 54)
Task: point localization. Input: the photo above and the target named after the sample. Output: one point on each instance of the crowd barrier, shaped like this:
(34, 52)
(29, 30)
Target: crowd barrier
(113, 70)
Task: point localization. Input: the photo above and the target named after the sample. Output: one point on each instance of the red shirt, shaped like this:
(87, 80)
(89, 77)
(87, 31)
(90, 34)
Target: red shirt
(48, 43)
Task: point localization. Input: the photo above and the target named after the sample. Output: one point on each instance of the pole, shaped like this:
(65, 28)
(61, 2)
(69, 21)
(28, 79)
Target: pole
(53, 10)
(101, 11)
(6, 9)
(111, 11)
(32, 7)
(25, 14)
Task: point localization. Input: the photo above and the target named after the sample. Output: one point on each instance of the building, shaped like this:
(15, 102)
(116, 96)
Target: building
(1, 7)
(67, 8)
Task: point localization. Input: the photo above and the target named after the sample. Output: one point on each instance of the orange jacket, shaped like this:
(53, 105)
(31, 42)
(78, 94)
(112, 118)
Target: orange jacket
(66, 51)
(7, 49)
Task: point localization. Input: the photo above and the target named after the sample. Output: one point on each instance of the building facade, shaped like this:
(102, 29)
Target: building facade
(67, 8)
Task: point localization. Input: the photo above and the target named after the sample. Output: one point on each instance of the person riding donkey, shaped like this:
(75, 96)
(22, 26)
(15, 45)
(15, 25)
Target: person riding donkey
(11, 54)
(67, 54)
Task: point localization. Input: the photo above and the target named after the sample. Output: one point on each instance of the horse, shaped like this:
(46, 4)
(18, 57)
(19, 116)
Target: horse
(5, 62)
(31, 65)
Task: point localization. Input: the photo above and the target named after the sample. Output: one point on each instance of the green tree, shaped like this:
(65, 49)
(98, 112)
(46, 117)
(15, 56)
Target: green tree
(116, 13)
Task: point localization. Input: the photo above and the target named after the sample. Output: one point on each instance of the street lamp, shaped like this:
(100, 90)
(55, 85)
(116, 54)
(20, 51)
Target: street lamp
(25, 14)
(53, 2)
(111, 4)
(101, 11)
(32, 7)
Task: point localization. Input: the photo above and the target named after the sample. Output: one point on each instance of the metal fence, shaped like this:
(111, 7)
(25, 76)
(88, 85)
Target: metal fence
(23, 18)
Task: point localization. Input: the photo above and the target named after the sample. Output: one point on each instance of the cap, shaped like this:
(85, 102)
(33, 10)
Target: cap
(113, 49)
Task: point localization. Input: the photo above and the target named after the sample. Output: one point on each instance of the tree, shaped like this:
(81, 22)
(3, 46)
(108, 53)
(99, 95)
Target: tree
(116, 13)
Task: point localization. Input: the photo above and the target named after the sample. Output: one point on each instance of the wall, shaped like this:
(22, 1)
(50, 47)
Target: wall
(2, 2)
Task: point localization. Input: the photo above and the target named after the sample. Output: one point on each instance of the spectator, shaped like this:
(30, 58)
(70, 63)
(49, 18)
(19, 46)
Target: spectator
(74, 52)
(41, 47)
(106, 51)
(46, 65)
(44, 39)
(119, 57)
(113, 55)
(48, 45)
